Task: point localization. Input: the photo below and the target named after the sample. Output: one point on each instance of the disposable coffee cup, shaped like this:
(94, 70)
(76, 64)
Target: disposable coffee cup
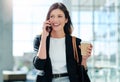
(84, 47)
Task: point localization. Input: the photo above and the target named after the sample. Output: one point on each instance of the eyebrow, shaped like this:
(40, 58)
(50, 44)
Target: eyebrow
(58, 14)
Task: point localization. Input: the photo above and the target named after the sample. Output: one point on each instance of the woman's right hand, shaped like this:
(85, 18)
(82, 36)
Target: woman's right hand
(42, 48)
(46, 24)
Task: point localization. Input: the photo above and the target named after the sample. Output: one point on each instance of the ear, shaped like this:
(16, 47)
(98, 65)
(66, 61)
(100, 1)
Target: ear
(66, 20)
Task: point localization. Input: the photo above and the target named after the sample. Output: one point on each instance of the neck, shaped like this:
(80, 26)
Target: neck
(57, 34)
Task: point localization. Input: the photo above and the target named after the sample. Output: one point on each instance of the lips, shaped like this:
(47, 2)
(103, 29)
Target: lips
(56, 25)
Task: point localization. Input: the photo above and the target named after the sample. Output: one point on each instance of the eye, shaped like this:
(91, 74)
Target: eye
(51, 16)
(60, 16)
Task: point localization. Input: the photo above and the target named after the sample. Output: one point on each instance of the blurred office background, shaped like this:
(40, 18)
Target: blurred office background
(97, 21)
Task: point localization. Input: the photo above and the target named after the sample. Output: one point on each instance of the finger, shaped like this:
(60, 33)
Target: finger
(91, 45)
(80, 46)
(89, 49)
(46, 24)
(89, 52)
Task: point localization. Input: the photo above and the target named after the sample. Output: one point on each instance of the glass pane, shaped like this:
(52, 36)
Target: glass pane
(22, 32)
(20, 47)
(39, 14)
(86, 17)
(86, 32)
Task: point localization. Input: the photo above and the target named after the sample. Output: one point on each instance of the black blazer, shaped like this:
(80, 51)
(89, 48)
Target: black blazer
(45, 64)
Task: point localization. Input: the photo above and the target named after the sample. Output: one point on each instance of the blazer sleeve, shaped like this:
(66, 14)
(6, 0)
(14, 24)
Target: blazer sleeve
(37, 62)
(78, 41)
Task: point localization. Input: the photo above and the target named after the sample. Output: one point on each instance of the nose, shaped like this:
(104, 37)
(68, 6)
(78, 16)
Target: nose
(55, 19)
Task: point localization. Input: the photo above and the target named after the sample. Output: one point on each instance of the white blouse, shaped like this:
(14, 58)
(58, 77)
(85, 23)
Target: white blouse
(57, 53)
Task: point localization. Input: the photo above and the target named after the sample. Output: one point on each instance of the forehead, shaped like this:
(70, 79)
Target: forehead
(57, 11)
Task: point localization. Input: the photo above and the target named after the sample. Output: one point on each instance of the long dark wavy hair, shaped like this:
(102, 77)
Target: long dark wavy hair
(58, 5)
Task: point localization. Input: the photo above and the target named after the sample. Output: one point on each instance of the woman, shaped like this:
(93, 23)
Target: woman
(55, 59)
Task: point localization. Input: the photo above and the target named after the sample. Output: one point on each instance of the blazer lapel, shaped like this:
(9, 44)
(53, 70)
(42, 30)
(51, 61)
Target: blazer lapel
(71, 63)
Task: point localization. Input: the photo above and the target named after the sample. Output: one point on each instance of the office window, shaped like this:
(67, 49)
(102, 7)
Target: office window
(99, 22)
(28, 17)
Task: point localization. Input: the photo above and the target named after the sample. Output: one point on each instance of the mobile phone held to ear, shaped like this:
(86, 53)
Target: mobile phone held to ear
(49, 29)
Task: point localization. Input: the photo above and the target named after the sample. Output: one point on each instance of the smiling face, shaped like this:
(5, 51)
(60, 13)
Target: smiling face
(57, 20)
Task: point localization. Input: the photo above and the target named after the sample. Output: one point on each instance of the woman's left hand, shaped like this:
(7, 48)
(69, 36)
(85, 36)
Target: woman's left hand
(86, 56)
(88, 52)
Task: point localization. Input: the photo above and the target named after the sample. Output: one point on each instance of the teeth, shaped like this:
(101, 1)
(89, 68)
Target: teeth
(56, 24)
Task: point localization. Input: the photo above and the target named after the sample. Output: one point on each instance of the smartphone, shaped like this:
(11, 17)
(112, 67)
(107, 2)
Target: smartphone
(49, 29)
